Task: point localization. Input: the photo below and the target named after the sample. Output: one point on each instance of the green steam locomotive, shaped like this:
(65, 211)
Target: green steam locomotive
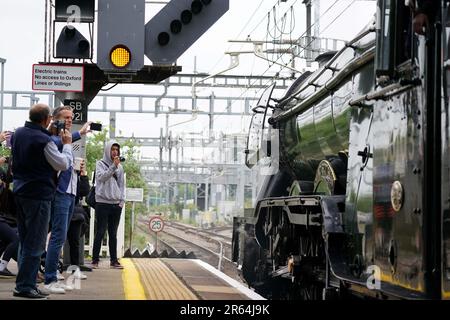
(357, 201)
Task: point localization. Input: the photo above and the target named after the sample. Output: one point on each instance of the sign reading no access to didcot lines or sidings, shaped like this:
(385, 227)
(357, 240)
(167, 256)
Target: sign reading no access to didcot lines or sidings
(156, 224)
(55, 77)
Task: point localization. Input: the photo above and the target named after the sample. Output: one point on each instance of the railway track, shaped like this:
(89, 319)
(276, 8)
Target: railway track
(202, 232)
(209, 240)
(215, 252)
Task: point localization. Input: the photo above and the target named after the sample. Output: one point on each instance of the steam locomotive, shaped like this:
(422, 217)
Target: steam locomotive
(359, 202)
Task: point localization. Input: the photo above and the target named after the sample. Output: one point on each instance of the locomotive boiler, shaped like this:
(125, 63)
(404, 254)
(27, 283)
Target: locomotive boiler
(357, 203)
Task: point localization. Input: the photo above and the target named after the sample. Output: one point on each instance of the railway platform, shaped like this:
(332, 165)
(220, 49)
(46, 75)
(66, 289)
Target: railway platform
(148, 279)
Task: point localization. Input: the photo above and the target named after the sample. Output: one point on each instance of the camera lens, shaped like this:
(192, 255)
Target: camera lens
(122, 159)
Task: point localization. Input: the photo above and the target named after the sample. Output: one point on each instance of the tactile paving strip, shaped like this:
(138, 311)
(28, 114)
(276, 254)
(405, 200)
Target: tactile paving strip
(160, 283)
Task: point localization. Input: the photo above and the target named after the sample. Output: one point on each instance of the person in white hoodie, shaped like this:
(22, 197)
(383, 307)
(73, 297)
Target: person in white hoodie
(110, 198)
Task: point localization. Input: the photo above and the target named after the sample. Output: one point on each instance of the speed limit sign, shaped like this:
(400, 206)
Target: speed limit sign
(156, 224)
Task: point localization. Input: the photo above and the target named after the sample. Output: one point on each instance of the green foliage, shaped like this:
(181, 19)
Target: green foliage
(139, 241)
(190, 221)
(5, 152)
(191, 206)
(95, 144)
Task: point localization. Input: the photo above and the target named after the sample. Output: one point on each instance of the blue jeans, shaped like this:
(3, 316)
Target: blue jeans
(62, 210)
(32, 222)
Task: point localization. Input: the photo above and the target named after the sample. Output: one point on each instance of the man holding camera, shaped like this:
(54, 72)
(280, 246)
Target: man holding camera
(63, 202)
(110, 198)
(36, 160)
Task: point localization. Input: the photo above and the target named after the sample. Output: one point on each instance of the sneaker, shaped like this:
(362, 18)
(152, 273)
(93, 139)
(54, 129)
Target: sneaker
(33, 294)
(43, 291)
(64, 286)
(7, 274)
(59, 276)
(115, 265)
(54, 287)
(94, 265)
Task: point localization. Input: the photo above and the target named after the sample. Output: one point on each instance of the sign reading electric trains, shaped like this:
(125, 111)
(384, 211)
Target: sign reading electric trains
(54, 77)
(156, 224)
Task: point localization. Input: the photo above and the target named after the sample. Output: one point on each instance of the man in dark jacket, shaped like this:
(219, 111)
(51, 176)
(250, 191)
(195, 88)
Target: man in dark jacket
(35, 162)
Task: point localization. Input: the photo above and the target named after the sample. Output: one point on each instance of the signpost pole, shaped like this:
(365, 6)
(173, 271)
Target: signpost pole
(133, 195)
(132, 216)
(156, 224)
(132, 223)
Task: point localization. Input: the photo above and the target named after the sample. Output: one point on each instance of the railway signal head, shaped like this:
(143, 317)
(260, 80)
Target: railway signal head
(178, 25)
(72, 44)
(120, 35)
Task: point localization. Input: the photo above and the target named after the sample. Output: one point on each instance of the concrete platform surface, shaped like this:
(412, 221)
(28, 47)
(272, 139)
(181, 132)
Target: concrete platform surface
(147, 279)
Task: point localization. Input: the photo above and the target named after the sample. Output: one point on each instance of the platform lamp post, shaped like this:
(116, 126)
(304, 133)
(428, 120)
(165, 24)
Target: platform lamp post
(2, 88)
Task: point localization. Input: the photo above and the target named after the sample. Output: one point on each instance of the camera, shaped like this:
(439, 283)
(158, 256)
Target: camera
(6, 159)
(122, 159)
(59, 125)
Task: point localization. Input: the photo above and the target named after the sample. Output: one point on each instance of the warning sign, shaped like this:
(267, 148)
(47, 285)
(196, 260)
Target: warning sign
(54, 77)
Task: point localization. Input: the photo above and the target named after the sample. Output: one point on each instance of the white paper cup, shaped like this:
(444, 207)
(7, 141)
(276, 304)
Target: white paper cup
(77, 164)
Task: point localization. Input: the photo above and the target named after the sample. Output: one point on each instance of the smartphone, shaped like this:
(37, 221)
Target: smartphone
(96, 126)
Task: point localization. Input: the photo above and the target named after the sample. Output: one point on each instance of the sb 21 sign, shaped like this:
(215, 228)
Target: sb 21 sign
(79, 109)
(156, 224)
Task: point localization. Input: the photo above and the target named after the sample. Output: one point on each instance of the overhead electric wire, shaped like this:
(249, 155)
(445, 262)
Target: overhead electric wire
(240, 32)
(256, 26)
(338, 16)
(268, 81)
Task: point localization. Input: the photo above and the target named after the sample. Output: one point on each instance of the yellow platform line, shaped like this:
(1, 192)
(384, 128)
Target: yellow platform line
(160, 282)
(131, 281)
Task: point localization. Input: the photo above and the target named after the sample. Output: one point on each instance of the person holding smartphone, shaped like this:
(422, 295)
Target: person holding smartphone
(110, 198)
(62, 203)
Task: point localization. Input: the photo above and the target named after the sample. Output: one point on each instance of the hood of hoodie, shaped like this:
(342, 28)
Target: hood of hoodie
(107, 151)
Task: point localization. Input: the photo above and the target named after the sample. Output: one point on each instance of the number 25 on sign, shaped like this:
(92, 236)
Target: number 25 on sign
(156, 224)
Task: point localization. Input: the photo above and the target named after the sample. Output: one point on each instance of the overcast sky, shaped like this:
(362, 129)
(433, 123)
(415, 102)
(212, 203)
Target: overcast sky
(22, 44)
